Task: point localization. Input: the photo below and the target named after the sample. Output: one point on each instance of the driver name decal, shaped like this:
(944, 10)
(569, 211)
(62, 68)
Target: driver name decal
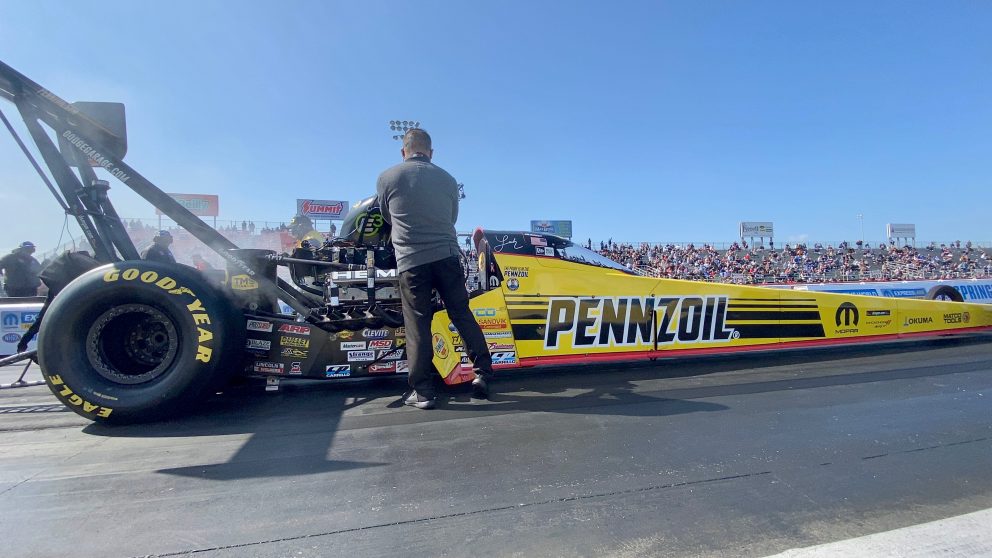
(636, 321)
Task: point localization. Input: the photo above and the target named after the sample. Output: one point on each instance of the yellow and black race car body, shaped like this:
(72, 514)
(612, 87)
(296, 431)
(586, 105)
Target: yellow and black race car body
(545, 300)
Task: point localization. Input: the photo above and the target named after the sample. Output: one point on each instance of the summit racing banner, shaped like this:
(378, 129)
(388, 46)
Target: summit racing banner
(322, 209)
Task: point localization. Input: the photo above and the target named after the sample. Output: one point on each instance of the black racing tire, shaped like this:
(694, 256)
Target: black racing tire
(137, 340)
(945, 292)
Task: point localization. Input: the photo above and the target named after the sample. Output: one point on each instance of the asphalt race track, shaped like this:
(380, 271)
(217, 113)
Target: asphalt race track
(731, 456)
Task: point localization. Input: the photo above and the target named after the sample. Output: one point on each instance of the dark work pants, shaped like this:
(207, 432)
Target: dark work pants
(448, 278)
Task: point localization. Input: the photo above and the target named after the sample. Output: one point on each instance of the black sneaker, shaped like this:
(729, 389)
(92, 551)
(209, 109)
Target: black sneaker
(419, 401)
(480, 388)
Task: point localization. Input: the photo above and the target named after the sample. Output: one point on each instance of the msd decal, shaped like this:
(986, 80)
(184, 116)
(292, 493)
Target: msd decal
(626, 321)
(294, 329)
(381, 344)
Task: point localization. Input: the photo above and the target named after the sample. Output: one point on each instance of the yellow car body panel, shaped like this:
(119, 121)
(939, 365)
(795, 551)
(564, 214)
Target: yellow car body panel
(548, 310)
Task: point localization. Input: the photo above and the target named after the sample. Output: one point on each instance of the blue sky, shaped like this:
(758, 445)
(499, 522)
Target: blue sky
(653, 121)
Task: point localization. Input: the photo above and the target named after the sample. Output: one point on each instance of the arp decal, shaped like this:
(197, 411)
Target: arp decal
(627, 321)
(294, 329)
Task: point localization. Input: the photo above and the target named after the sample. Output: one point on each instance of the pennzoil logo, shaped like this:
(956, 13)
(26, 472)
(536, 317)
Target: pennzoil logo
(627, 321)
(243, 283)
(440, 346)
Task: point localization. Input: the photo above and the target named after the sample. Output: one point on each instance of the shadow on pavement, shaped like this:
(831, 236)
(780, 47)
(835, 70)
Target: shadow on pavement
(305, 416)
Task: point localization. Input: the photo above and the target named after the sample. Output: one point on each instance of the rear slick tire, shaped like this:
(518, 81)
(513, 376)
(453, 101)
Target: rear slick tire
(137, 341)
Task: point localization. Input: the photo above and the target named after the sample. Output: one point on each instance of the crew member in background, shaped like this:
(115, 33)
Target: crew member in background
(20, 271)
(159, 250)
(420, 201)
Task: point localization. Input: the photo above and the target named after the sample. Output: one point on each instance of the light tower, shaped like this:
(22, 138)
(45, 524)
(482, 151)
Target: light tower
(402, 126)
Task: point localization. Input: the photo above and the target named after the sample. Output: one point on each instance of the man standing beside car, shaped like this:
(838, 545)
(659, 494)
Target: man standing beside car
(20, 271)
(420, 201)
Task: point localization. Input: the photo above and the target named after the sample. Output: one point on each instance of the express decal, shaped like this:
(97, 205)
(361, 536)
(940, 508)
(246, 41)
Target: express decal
(200, 315)
(626, 321)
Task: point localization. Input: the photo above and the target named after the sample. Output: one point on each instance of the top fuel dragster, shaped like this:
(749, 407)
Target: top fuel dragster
(125, 340)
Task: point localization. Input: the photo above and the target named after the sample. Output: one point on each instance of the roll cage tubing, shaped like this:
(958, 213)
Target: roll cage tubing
(90, 205)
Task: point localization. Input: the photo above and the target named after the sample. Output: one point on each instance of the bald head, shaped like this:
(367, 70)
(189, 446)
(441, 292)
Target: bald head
(416, 141)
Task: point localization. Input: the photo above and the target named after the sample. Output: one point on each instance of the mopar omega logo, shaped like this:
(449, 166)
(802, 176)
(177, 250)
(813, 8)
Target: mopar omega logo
(848, 313)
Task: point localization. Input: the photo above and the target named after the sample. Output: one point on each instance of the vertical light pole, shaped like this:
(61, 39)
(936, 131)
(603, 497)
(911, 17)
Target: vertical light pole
(861, 220)
(401, 126)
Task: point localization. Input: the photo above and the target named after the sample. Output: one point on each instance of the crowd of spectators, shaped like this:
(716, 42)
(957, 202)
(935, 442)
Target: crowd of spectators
(800, 263)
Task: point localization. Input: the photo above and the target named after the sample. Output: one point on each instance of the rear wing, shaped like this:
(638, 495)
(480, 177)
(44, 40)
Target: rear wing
(89, 135)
